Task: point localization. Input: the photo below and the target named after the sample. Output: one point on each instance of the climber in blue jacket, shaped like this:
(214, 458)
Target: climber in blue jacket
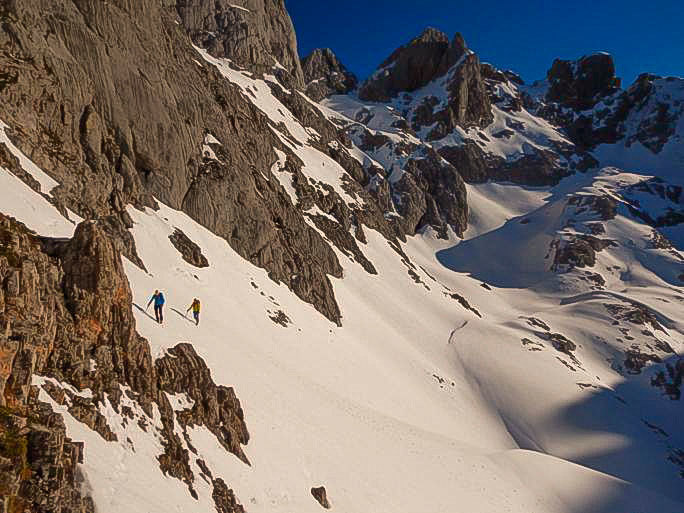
(159, 301)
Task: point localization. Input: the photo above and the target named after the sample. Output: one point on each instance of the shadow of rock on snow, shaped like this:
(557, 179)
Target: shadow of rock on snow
(511, 256)
(634, 432)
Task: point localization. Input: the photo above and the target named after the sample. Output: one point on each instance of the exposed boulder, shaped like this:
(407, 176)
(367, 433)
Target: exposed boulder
(325, 75)
(670, 379)
(190, 251)
(603, 206)
(636, 360)
(579, 251)
(321, 496)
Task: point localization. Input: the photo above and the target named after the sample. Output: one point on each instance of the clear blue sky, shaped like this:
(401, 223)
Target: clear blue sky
(523, 36)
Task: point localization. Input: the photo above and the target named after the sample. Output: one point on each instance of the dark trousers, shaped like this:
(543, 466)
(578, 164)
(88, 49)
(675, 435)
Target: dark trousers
(196, 316)
(158, 313)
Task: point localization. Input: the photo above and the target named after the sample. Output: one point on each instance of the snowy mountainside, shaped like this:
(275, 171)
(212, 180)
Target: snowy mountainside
(402, 385)
(439, 299)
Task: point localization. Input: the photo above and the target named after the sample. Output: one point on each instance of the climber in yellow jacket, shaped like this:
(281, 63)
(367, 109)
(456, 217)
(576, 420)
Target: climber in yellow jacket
(195, 307)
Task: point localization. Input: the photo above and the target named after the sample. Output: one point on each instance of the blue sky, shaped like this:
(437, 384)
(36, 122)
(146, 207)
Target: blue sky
(522, 36)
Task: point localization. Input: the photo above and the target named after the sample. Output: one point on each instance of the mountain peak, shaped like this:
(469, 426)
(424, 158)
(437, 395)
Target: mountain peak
(579, 83)
(325, 75)
(430, 35)
(413, 65)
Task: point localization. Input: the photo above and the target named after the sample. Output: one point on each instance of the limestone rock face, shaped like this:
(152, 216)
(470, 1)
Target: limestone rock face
(256, 34)
(468, 104)
(325, 75)
(118, 115)
(468, 100)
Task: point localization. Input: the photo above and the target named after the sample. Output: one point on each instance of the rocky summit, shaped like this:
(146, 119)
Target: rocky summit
(326, 75)
(436, 287)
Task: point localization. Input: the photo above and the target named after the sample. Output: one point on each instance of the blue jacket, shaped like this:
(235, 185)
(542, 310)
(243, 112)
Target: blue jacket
(158, 299)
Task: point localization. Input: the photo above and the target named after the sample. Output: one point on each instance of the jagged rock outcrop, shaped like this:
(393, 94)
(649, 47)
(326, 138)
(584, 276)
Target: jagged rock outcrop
(445, 194)
(582, 83)
(66, 309)
(673, 212)
(224, 498)
(426, 191)
(573, 89)
(182, 371)
(540, 167)
(489, 72)
(256, 34)
(190, 251)
(468, 103)
(660, 110)
(584, 98)
(324, 75)
(423, 59)
(39, 464)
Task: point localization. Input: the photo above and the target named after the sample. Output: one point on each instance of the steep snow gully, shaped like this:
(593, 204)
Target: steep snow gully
(531, 363)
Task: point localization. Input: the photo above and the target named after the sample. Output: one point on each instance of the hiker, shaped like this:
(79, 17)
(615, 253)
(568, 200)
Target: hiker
(195, 310)
(159, 301)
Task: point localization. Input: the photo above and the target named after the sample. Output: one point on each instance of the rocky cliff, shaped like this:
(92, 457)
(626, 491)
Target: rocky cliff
(98, 93)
